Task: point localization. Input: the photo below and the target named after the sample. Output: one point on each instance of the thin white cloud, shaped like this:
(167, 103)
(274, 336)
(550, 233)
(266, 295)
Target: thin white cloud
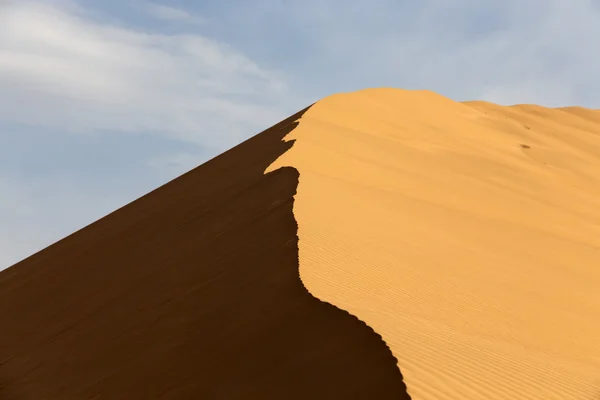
(59, 69)
(167, 13)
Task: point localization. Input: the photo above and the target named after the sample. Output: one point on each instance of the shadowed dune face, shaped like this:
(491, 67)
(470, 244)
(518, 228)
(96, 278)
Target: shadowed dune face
(466, 234)
(192, 291)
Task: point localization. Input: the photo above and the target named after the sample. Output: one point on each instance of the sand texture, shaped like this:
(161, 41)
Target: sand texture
(466, 234)
(190, 292)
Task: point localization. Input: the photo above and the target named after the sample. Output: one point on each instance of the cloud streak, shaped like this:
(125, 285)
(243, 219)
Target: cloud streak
(61, 70)
(173, 14)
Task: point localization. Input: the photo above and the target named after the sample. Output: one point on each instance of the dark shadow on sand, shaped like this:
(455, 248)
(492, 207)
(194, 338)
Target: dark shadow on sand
(190, 292)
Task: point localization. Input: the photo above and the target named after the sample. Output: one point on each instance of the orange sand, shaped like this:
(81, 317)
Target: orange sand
(475, 258)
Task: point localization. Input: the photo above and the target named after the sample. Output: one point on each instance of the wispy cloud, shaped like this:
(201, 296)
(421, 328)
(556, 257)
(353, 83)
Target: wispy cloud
(59, 69)
(167, 13)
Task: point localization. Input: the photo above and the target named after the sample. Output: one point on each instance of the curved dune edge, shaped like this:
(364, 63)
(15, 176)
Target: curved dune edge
(466, 234)
(346, 313)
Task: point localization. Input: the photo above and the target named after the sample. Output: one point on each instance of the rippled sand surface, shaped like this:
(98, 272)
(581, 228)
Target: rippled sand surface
(466, 234)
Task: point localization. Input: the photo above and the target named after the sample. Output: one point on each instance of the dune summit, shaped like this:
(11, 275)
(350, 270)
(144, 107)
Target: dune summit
(380, 244)
(466, 234)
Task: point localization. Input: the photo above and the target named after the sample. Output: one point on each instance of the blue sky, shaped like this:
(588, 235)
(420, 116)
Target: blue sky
(102, 101)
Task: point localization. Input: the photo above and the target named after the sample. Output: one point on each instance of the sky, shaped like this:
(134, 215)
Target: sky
(103, 101)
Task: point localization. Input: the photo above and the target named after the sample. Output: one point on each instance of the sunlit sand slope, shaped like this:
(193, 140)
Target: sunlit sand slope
(466, 234)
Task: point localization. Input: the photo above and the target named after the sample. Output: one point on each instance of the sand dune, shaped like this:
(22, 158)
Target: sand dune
(190, 292)
(466, 234)
(454, 247)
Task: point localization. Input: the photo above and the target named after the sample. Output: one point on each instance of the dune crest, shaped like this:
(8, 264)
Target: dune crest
(466, 234)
